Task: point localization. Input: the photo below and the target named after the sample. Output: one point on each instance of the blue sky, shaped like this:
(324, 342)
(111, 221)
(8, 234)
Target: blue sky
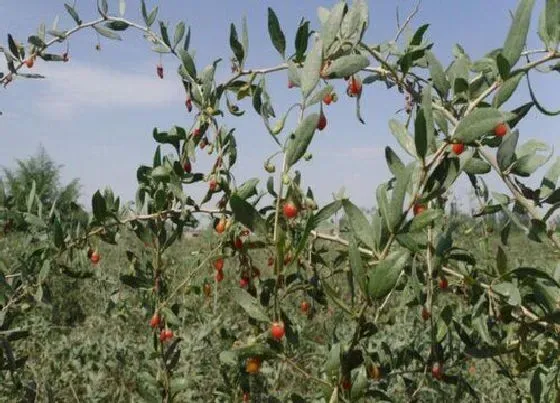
(95, 114)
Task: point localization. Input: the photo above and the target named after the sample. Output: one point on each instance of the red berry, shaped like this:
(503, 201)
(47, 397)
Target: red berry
(166, 334)
(196, 132)
(458, 148)
(246, 396)
(213, 185)
(328, 98)
(425, 314)
(501, 130)
(29, 62)
(291, 84)
(322, 123)
(443, 283)
(219, 276)
(243, 282)
(354, 87)
(290, 210)
(277, 330)
(159, 71)
(95, 257)
(418, 208)
(238, 243)
(187, 167)
(219, 264)
(437, 370)
(188, 104)
(155, 321)
(271, 261)
(304, 306)
(346, 384)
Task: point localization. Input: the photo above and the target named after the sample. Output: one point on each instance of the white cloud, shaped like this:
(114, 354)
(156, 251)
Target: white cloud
(70, 87)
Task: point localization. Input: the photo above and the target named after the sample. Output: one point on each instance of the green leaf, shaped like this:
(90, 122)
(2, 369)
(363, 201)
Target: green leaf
(104, 8)
(150, 19)
(517, 35)
(503, 66)
(357, 266)
(164, 34)
(428, 116)
(403, 137)
(359, 224)
(179, 33)
(438, 74)
(476, 166)
(301, 41)
(98, 206)
(548, 183)
(510, 291)
(506, 90)
(418, 35)
(397, 198)
(247, 189)
(312, 69)
(188, 63)
(501, 261)
(479, 122)
(393, 161)
(250, 305)
(326, 212)
(106, 32)
(552, 22)
(331, 27)
(246, 214)
(420, 135)
(384, 276)
(235, 45)
(58, 234)
(297, 145)
(506, 152)
(170, 317)
(347, 65)
(72, 11)
(117, 25)
(31, 196)
(13, 48)
(275, 31)
(36, 41)
(424, 219)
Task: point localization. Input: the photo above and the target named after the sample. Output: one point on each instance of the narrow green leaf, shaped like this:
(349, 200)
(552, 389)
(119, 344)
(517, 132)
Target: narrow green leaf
(347, 65)
(552, 22)
(312, 69)
(397, 198)
(501, 261)
(517, 35)
(31, 197)
(275, 31)
(359, 224)
(247, 189)
(428, 116)
(507, 89)
(103, 31)
(438, 74)
(403, 137)
(297, 145)
(72, 11)
(384, 276)
(246, 214)
(301, 41)
(99, 207)
(58, 234)
(236, 46)
(357, 266)
(188, 63)
(164, 34)
(179, 33)
(550, 179)
(479, 122)
(393, 161)
(152, 17)
(331, 27)
(326, 212)
(506, 152)
(249, 304)
(420, 135)
(424, 219)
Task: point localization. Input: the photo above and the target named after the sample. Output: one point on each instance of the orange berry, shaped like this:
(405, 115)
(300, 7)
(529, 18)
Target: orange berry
(221, 226)
(29, 62)
(418, 208)
(252, 365)
(328, 98)
(219, 276)
(95, 257)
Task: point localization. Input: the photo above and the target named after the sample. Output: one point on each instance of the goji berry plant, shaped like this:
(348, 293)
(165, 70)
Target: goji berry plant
(414, 305)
